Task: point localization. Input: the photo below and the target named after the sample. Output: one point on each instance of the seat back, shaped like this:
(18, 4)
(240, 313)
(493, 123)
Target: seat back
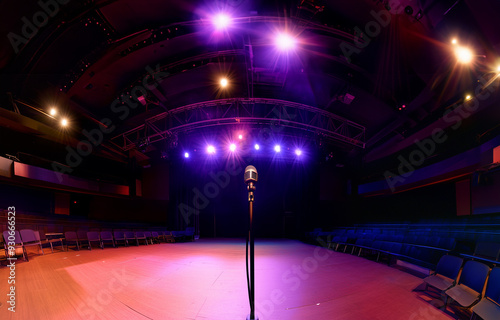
(447, 243)
(474, 275)
(154, 234)
(106, 235)
(147, 234)
(16, 237)
(93, 236)
(493, 286)
(28, 235)
(489, 250)
(70, 235)
(432, 242)
(449, 266)
(130, 235)
(140, 235)
(82, 235)
(119, 235)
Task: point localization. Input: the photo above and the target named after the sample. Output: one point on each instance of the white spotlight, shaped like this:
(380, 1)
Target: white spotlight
(221, 21)
(186, 154)
(257, 147)
(285, 41)
(464, 55)
(232, 147)
(53, 111)
(223, 82)
(211, 149)
(64, 122)
(277, 148)
(298, 152)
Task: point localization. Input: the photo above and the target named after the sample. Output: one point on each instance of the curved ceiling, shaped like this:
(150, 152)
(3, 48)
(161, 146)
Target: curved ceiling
(114, 65)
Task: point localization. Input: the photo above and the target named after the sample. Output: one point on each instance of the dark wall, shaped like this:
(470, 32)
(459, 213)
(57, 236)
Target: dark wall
(485, 192)
(155, 182)
(26, 199)
(124, 209)
(430, 202)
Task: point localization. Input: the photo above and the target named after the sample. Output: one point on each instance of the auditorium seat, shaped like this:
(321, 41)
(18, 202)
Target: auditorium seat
(148, 236)
(18, 243)
(139, 235)
(446, 273)
(489, 306)
(29, 239)
(155, 237)
(93, 236)
(71, 237)
(189, 233)
(167, 236)
(107, 237)
(447, 243)
(130, 237)
(120, 236)
(470, 286)
(488, 252)
(82, 237)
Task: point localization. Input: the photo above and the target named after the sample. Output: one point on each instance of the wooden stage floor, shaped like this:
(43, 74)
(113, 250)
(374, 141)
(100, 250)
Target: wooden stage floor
(206, 280)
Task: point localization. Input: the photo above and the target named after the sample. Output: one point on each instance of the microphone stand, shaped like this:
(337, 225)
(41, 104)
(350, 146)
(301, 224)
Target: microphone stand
(251, 189)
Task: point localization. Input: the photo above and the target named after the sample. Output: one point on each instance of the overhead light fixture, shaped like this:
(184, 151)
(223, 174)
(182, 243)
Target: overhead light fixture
(277, 148)
(53, 111)
(463, 54)
(298, 152)
(256, 146)
(64, 122)
(232, 147)
(221, 21)
(211, 149)
(223, 82)
(285, 42)
(347, 98)
(186, 154)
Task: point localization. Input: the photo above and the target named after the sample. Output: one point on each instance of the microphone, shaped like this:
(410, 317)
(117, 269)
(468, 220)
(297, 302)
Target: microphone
(250, 174)
(250, 178)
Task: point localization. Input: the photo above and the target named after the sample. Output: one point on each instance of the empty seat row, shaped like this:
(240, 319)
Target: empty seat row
(23, 239)
(466, 285)
(113, 238)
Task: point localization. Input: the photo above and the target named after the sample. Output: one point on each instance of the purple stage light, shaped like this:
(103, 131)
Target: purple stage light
(298, 152)
(277, 148)
(211, 149)
(285, 42)
(256, 146)
(186, 154)
(221, 21)
(232, 147)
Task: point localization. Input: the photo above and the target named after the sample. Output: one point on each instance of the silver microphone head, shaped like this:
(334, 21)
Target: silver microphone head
(250, 174)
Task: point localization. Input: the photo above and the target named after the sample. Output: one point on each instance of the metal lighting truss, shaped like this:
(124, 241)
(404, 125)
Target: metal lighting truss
(237, 111)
